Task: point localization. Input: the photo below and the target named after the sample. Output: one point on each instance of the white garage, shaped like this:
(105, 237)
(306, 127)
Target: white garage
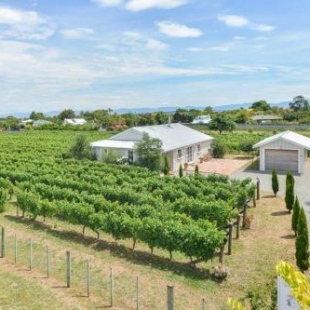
(286, 151)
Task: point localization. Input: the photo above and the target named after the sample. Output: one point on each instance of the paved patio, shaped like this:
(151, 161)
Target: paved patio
(221, 166)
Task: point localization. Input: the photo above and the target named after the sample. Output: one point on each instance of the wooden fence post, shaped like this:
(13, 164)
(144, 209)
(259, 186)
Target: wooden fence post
(2, 242)
(15, 252)
(257, 188)
(30, 254)
(254, 201)
(230, 237)
(87, 279)
(68, 259)
(238, 226)
(47, 262)
(170, 297)
(221, 259)
(244, 214)
(203, 304)
(111, 287)
(137, 294)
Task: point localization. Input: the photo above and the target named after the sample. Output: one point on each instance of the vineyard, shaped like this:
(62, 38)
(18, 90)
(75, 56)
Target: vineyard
(184, 215)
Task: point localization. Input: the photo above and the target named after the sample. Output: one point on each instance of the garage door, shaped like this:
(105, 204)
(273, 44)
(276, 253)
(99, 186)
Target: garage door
(281, 160)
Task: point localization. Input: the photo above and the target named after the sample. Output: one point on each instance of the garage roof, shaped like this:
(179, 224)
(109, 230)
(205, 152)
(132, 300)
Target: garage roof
(289, 136)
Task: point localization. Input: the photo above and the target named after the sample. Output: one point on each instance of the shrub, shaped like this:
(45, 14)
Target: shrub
(295, 216)
(289, 192)
(218, 149)
(302, 242)
(274, 182)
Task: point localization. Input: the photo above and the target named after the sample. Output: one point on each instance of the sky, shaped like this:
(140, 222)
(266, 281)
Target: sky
(97, 54)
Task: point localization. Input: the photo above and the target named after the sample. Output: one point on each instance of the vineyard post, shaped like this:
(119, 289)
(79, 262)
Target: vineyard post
(221, 259)
(111, 287)
(230, 237)
(257, 187)
(254, 201)
(170, 297)
(15, 252)
(87, 278)
(47, 262)
(238, 226)
(30, 254)
(2, 242)
(137, 292)
(68, 258)
(203, 304)
(244, 214)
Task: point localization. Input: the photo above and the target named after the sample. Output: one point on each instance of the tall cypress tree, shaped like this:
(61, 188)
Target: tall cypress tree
(275, 182)
(289, 192)
(295, 216)
(166, 166)
(180, 171)
(302, 242)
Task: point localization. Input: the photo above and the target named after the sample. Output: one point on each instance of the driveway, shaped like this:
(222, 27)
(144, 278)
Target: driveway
(302, 184)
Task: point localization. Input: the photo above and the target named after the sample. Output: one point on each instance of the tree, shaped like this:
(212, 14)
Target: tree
(36, 115)
(217, 149)
(66, 113)
(261, 105)
(299, 103)
(274, 182)
(295, 216)
(80, 148)
(302, 242)
(3, 195)
(180, 171)
(149, 152)
(289, 192)
(222, 123)
(166, 166)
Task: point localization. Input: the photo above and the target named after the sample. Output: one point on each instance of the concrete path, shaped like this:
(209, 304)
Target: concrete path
(302, 184)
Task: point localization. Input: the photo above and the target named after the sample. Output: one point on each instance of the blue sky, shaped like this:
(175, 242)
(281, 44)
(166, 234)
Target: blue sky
(97, 54)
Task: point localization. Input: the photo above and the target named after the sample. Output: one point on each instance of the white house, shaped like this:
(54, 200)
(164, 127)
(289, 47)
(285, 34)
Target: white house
(285, 151)
(74, 121)
(181, 144)
(202, 119)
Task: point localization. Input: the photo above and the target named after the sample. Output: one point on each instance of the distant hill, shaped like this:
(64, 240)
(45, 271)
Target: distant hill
(219, 108)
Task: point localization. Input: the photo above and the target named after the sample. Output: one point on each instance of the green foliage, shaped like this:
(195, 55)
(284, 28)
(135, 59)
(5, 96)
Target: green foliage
(80, 148)
(302, 242)
(166, 166)
(274, 182)
(261, 105)
(299, 103)
(289, 192)
(218, 149)
(295, 216)
(222, 123)
(149, 152)
(3, 195)
(180, 171)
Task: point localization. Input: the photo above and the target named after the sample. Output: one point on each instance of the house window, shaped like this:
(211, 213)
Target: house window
(189, 154)
(179, 153)
(130, 156)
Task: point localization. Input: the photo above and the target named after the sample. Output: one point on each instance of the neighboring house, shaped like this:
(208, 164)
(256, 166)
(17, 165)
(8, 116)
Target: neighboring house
(261, 119)
(202, 119)
(41, 122)
(285, 151)
(74, 121)
(181, 144)
(25, 122)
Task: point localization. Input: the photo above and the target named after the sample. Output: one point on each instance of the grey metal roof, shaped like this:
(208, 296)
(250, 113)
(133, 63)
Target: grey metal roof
(265, 117)
(289, 136)
(173, 136)
(115, 144)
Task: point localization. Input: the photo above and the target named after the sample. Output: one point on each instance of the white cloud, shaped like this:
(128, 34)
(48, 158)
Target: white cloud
(140, 5)
(221, 48)
(108, 2)
(153, 44)
(77, 33)
(263, 28)
(241, 21)
(194, 49)
(179, 31)
(24, 24)
(234, 20)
